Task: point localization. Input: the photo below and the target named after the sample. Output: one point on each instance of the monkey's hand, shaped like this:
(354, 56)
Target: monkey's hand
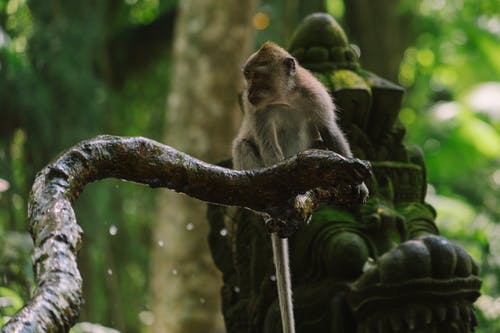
(350, 194)
(351, 190)
(285, 221)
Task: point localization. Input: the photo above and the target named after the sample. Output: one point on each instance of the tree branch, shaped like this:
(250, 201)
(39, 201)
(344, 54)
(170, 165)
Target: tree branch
(56, 302)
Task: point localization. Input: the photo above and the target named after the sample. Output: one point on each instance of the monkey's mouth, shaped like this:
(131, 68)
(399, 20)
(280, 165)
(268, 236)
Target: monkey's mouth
(255, 95)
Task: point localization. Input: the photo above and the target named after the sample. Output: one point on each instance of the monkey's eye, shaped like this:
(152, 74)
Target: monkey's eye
(246, 72)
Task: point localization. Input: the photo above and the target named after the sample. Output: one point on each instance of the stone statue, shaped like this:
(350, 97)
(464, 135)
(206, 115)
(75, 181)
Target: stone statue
(378, 267)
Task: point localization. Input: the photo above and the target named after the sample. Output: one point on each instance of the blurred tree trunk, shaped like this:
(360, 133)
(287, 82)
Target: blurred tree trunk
(285, 15)
(382, 29)
(296, 10)
(212, 39)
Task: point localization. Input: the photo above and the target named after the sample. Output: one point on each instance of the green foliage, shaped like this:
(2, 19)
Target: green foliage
(55, 88)
(454, 54)
(132, 12)
(15, 262)
(335, 8)
(16, 280)
(10, 303)
(455, 47)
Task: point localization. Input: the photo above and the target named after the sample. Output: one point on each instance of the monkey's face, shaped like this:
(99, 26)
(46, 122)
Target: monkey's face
(268, 76)
(261, 87)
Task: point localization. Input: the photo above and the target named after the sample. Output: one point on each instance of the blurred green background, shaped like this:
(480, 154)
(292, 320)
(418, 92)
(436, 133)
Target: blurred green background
(70, 70)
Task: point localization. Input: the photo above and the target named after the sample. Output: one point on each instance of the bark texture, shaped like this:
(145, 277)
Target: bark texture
(57, 236)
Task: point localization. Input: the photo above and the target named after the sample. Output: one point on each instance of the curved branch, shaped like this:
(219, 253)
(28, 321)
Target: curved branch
(57, 236)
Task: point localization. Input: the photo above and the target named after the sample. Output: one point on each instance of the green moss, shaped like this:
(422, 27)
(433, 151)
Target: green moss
(318, 30)
(343, 78)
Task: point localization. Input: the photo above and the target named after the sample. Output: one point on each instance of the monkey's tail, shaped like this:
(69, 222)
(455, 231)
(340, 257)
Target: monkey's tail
(281, 263)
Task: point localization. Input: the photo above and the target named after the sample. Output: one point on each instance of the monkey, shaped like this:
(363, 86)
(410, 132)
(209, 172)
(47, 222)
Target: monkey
(286, 110)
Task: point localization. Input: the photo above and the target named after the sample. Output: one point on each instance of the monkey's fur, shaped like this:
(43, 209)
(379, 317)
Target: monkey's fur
(286, 110)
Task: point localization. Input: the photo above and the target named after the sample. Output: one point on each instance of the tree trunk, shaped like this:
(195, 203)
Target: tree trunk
(382, 29)
(211, 42)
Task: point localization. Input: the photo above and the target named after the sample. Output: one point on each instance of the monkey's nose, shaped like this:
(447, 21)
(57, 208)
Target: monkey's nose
(246, 73)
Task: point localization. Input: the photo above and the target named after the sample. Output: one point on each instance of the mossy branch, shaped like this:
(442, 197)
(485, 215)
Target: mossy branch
(57, 299)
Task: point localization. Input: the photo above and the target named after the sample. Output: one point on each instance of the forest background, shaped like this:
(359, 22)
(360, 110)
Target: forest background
(169, 70)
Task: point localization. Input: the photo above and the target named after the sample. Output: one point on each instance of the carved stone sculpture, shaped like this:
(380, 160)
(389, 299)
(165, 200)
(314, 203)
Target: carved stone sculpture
(378, 267)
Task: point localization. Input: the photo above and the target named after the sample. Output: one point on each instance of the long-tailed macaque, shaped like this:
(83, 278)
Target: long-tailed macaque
(286, 110)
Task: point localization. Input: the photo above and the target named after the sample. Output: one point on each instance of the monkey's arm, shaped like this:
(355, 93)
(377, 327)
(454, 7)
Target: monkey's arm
(269, 140)
(278, 133)
(322, 112)
(245, 154)
(334, 139)
(262, 139)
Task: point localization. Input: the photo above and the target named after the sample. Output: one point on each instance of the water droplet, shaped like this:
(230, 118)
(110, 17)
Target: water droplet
(147, 317)
(432, 145)
(273, 277)
(223, 232)
(202, 300)
(495, 177)
(174, 272)
(161, 243)
(4, 185)
(113, 230)
(110, 271)
(236, 289)
(189, 226)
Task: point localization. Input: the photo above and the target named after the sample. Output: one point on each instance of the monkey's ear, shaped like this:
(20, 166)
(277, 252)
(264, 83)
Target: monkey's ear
(290, 65)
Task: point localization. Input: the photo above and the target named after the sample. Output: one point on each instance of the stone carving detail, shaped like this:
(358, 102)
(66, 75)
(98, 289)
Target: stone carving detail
(379, 267)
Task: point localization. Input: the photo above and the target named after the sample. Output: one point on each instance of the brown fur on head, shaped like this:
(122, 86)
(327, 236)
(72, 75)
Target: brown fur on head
(269, 74)
(273, 51)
